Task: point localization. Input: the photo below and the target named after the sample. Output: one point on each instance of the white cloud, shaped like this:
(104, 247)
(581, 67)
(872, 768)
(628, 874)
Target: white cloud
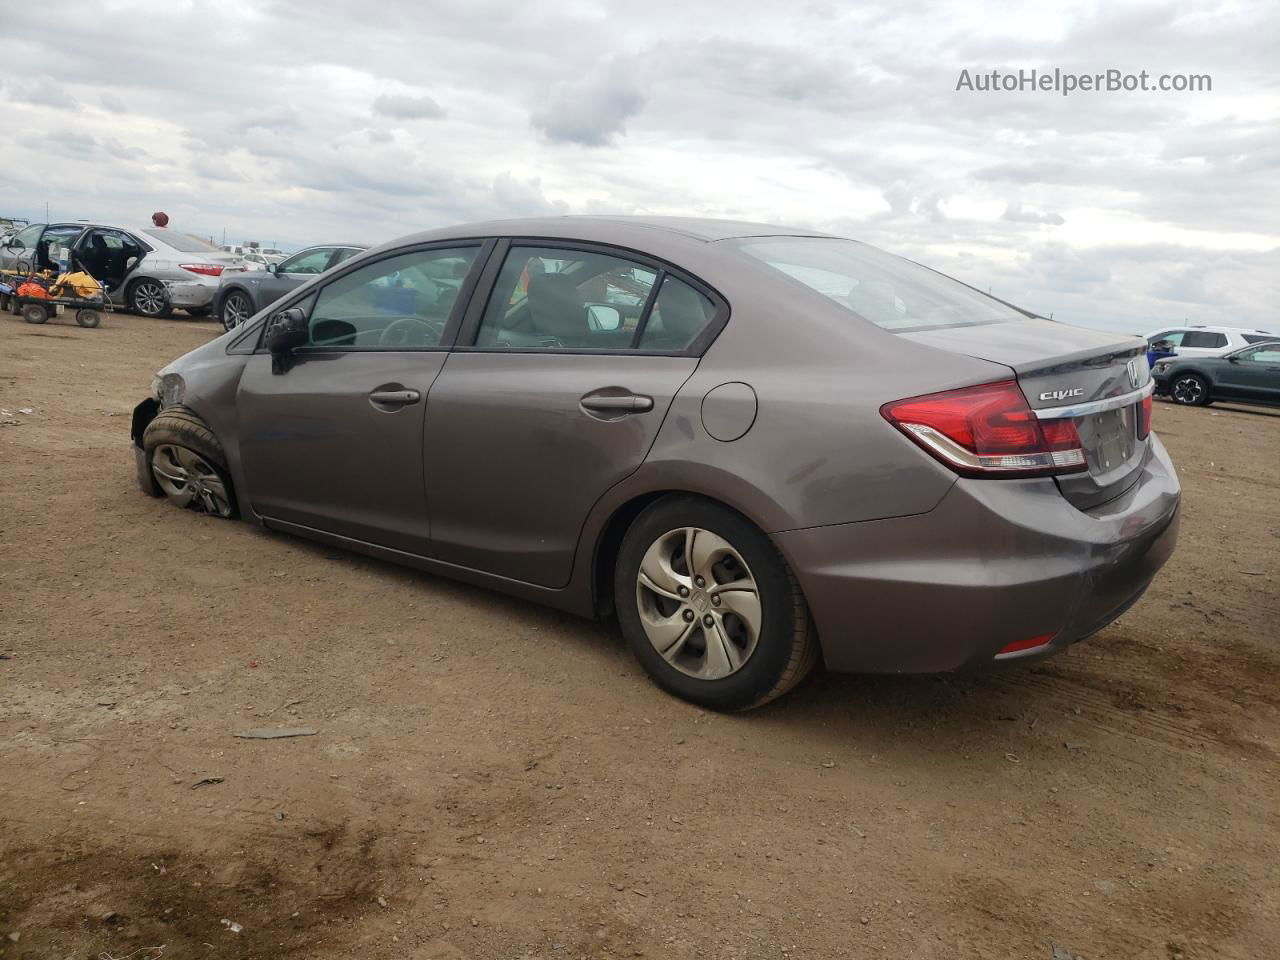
(408, 107)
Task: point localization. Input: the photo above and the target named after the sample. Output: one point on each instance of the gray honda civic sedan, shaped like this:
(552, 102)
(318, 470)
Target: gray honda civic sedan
(753, 446)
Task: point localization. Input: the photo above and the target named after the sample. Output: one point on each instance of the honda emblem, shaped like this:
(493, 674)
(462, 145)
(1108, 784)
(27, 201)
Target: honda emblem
(1132, 369)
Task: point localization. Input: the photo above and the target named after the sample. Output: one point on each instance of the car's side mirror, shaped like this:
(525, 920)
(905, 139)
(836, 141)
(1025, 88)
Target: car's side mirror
(1233, 359)
(272, 267)
(13, 243)
(286, 331)
(601, 316)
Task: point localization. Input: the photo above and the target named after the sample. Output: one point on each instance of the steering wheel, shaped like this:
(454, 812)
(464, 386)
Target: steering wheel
(412, 332)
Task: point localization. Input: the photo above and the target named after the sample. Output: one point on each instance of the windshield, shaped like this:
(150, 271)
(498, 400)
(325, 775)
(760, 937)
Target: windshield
(891, 292)
(183, 242)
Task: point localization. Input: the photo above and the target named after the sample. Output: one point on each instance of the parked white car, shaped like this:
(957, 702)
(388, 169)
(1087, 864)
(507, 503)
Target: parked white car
(1198, 341)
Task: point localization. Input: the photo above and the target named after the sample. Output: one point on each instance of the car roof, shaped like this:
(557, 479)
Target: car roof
(619, 229)
(1208, 329)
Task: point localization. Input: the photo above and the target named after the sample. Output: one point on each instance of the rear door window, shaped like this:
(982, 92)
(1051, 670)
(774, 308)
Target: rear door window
(1204, 339)
(561, 298)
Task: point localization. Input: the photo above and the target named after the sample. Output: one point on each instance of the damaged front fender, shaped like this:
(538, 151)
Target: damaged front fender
(143, 414)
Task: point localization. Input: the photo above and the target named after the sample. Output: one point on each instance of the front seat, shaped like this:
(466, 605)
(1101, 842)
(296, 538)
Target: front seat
(557, 309)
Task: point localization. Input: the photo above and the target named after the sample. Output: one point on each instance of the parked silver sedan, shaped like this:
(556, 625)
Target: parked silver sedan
(150, 270)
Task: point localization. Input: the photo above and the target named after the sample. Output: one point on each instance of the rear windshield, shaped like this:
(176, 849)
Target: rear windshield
(184, 242)
(889, 291)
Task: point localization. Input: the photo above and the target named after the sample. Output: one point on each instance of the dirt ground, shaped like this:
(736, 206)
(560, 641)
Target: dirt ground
(491, 779)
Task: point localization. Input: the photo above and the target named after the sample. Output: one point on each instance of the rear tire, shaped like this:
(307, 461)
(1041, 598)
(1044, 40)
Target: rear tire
(35, 313)
(1190, 390)
(149, 298)
(88, 318)
(188, 462)
(725, 649)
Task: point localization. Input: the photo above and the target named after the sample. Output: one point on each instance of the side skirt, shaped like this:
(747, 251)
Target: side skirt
(563, 599)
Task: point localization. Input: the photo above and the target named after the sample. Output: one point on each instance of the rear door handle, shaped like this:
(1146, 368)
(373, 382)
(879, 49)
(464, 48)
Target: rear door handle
(626, 404)
(395, 398)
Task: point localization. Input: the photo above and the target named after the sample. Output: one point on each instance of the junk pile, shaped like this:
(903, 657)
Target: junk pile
(38, 296)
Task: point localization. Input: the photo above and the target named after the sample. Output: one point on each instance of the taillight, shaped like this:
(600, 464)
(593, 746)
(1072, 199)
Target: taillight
(204, 269)
(988, 430)
(1144, 417)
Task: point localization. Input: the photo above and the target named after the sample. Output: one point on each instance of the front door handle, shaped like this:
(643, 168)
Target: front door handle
(624, 404)
(394, 398)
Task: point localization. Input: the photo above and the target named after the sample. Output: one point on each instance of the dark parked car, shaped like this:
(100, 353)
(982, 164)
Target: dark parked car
(1250, 375)
(789, 445)
(242, 295)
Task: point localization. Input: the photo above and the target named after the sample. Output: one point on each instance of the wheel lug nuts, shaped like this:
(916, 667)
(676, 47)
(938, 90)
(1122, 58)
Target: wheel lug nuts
(715, 600)
(688, 616)
(699, 582)
(708, 620)
(684, 591)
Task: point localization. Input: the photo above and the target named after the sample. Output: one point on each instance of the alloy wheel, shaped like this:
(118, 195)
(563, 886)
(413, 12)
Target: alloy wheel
(148, 298)
(699, 604)
(236, 309)
(189, 480)
(1188, 390)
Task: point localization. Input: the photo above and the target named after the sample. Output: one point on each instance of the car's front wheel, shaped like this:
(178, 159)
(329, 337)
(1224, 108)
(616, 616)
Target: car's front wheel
(709, 606)
(188, 462)
(236, 309)
(1189, 389)
(149, 298)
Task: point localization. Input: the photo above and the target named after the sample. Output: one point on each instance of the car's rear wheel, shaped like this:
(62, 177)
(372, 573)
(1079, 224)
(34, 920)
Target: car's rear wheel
(188, 463)
(236, 309)
(709, 606)
(1190, 389)
(149, 298)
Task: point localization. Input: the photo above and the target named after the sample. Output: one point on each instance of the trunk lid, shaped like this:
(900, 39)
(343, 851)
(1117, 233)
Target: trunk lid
(1061, 366)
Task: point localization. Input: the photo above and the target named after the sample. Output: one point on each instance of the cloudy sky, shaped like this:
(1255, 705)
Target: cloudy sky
(297, 122)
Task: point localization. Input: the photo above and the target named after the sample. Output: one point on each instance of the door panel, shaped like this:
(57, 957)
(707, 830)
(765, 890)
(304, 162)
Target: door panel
(333, 438)
(319, 450)
(514, 461)
(1254, 375)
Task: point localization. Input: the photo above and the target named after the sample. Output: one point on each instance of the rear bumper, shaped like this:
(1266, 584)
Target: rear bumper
(996, 562)
(191, 293)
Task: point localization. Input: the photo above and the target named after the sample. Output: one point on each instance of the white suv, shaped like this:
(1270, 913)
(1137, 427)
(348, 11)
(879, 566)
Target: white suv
(1196, 341)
